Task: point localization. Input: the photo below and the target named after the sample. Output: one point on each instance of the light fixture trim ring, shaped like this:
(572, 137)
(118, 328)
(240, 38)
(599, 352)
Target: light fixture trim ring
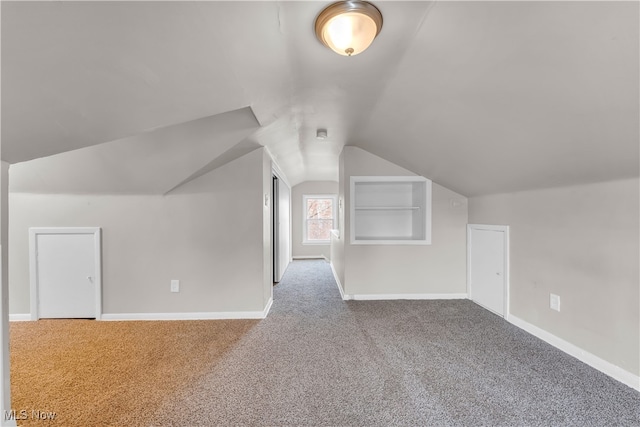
(347, 6)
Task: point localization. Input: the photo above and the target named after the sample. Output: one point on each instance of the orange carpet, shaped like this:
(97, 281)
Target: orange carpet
(91, 373)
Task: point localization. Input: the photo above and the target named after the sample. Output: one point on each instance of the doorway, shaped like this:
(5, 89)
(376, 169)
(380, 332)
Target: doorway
(65, 274)
(488, 267)
(280, 226)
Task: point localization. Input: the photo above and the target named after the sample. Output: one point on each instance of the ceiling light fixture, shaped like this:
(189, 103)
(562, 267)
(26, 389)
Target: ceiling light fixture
(348, 27)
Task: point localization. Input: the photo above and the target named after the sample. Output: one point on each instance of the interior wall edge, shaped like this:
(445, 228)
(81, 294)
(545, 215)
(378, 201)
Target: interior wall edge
(337, 279)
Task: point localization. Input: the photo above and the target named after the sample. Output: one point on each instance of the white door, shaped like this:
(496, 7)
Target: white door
(67, 282)
(488, 266)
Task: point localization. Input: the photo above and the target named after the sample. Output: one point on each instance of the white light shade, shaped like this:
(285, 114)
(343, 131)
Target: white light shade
(348, 27)
(350, 32)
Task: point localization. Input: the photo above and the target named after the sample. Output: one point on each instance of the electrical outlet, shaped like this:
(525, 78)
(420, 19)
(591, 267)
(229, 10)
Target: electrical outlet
(554, 302)
(175, 286)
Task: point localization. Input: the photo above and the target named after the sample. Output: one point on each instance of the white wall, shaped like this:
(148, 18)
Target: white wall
(267, 259)
(4, 220)
(210, 234)
(439, 268)
(311, 188)
(581, 243)
(5, 368)
(336, 255)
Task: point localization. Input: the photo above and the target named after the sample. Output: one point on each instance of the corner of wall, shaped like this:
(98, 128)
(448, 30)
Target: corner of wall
(267, 266)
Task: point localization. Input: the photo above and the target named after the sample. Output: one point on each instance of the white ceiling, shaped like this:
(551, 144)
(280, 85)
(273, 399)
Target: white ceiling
(482, 97)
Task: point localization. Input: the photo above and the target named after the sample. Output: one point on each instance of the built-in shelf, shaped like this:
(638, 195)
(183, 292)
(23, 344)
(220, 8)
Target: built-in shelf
(390, 210)
(387, 208)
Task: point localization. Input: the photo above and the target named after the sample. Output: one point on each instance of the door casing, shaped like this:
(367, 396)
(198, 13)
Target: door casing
(504, 229)
(280, 225)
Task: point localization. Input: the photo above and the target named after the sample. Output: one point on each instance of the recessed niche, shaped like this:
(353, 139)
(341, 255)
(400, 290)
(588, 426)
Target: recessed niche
(390, 210)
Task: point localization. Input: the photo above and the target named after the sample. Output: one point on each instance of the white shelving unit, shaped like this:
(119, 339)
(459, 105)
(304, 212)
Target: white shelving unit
(390, 210)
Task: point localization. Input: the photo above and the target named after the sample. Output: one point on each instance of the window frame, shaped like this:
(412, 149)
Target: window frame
(334, 205)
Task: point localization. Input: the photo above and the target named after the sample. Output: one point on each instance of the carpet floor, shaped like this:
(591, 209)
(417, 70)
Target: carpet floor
(316, 360)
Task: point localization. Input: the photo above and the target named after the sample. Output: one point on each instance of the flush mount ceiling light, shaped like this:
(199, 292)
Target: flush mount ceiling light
(348, 27)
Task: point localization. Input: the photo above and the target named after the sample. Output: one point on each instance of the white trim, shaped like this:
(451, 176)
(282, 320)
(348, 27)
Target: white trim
(310, 257)
(335, 276)
(334, 207)
(608, 368)
(267, 308)
(391, 242)
(275, 168)
(504, 229)
(221, 315)
(33, 265)
(20, 317)
(377, 297)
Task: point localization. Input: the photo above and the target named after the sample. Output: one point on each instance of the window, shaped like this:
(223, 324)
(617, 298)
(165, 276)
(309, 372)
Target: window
(319, 218)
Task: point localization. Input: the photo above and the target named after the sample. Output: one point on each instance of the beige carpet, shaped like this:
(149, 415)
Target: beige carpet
(110, 373)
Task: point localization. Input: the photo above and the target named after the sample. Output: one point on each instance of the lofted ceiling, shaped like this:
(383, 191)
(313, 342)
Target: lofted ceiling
(482, 97)
(153, 162)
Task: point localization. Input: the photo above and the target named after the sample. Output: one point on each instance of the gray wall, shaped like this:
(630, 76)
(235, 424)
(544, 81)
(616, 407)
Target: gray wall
(5, 368)
(337, 256)
(439, 268)
(4, 225)
(311, 188)
(580, 243)
(210, 234)
(266, 249)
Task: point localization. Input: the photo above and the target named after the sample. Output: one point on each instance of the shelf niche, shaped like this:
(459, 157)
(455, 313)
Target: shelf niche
(390, 210)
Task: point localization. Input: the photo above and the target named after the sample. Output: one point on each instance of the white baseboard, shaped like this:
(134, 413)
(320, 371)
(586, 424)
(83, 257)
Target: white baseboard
(22, 317)
(267, 309)
(310, 257)
(222, 315)
(335, 276)
(377, 297)
(615, 372)
(373, 297)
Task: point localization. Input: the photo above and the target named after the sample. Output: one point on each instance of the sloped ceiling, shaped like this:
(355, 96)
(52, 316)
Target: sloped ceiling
(483, 97)
(505, 96)
(150, 163)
